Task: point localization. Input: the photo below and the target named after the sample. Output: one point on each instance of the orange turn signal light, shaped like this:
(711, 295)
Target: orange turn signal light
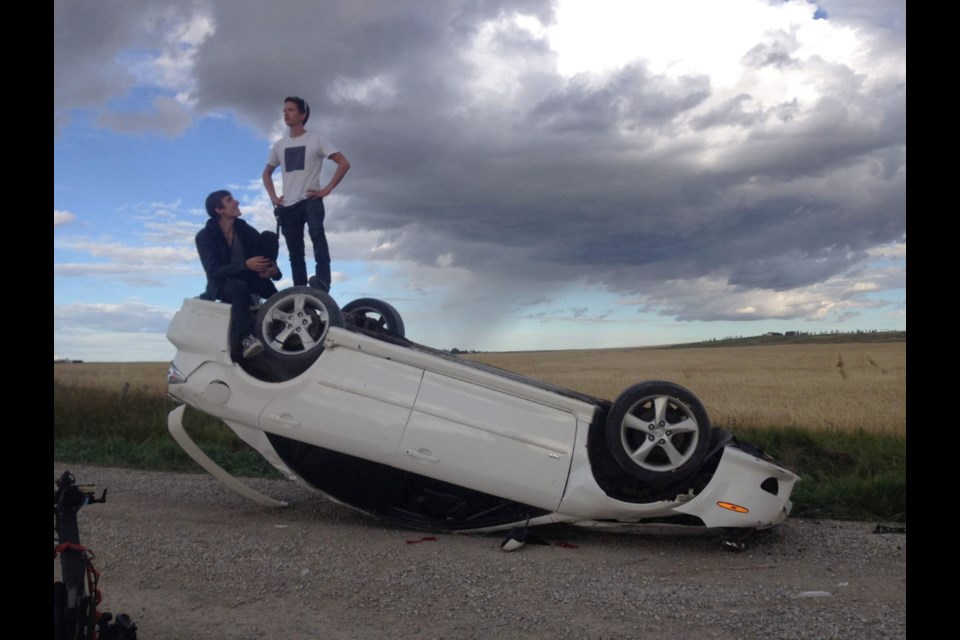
(733, 507)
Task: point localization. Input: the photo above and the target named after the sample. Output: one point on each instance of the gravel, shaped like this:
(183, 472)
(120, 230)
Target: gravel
(187, 558)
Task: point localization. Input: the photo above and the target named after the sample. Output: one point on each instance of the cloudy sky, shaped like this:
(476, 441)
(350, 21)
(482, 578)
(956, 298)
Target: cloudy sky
(527, 174)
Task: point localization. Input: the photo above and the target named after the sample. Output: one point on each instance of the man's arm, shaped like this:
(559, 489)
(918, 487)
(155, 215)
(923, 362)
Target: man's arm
(213, 266)
(256, 252)
(343, 165)
(268, 185)
(272, 271)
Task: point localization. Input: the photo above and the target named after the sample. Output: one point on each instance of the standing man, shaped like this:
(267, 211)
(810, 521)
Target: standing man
(239, 263)
(301, 155)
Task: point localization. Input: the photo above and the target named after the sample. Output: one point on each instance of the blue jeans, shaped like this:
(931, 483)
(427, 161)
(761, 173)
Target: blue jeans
(292, 219)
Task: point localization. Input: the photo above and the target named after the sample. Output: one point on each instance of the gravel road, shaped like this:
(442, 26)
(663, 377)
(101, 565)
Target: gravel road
(187, 558)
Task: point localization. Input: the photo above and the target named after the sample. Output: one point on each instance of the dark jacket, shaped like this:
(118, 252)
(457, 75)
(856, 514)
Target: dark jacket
(215, 257)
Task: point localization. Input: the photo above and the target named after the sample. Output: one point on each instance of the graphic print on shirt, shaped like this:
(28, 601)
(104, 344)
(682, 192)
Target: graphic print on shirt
(294, 158)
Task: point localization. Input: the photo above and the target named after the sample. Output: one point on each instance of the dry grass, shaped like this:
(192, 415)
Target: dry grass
(145, 377)
(845, 386)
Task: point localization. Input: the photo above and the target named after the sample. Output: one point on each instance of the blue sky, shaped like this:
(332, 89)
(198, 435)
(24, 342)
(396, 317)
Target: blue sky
(526, 175)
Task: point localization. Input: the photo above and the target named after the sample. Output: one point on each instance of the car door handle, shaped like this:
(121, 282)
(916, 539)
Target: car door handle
(423, 455)
(283, 420)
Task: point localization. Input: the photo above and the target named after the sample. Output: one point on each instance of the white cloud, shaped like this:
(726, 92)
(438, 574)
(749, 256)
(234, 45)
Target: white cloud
(98, 345)
(61, 218)
(133, 255)
(161, 247)
(166, 115)
(748, 155)
(132, 316)
(893, 251)
(139, 272)
(713, 298)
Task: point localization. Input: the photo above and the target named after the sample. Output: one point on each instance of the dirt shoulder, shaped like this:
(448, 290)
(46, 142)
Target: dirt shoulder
(187, 558)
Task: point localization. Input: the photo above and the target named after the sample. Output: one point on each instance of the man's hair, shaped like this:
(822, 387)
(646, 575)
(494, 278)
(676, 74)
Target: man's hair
(215, 201)
(302, 106)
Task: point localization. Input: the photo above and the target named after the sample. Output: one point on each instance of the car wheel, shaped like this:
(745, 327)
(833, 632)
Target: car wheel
(374, 315)
(293, 323)
(658, 432)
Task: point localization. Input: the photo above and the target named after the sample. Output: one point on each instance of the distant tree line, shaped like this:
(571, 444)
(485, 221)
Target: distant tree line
(456, 351)
(793, 334)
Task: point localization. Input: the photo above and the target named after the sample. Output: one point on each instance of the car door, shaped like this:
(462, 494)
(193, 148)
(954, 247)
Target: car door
(490, 440)
(349, 401)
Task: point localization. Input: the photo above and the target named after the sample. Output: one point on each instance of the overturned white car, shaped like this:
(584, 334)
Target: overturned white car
(341, 401)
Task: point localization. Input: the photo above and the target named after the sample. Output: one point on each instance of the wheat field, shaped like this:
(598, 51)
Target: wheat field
(141, 377)
(818, 386)
(847, 386)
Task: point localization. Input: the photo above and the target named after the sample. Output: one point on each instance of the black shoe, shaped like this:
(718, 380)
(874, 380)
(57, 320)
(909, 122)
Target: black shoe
(316, 283)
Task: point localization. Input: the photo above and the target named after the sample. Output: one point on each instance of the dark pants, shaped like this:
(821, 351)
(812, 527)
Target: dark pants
(240, 292)
(309, 212)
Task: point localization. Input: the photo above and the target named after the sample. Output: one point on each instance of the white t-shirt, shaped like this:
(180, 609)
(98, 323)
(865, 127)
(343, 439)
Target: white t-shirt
(301, 159)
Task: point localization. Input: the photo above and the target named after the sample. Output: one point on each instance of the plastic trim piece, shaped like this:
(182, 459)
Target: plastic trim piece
(175, 426)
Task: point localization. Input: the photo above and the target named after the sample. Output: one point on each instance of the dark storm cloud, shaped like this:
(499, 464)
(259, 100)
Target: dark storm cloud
(84, 45)
(494, 162)
(262, 52)
(88, 38)
(730, 113)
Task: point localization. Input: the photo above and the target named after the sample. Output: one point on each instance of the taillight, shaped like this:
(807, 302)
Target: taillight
(174, 376)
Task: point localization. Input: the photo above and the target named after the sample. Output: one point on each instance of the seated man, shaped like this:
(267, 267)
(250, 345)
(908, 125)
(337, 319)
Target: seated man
(240, 263)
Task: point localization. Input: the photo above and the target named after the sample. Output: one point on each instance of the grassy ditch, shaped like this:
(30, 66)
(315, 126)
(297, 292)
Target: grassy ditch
(846, 474)
(852, 474)
(129, 429)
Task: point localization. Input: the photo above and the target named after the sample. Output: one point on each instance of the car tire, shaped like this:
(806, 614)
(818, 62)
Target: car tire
(374, 315)
(293, 324)
(658, 432)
